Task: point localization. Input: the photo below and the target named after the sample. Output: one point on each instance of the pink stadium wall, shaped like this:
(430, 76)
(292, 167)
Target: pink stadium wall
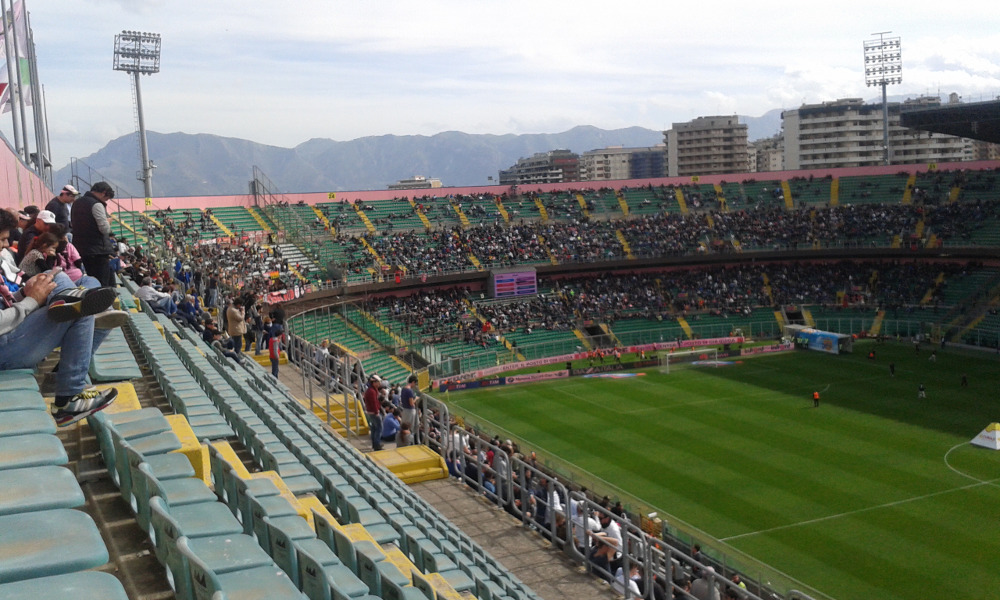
(199, 202)
(19, 185)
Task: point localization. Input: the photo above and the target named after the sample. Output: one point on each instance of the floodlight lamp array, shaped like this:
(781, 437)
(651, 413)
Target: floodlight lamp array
(137, 52)
(883, 62)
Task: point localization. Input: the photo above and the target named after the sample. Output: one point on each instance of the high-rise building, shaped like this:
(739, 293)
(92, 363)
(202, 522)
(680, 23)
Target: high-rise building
(555, 166)
(705, 146)
(769, 154)
(616, 162)
(848, 133)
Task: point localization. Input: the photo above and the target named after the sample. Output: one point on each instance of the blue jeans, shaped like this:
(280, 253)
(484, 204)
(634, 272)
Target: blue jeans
(375, 429)
(274, 367)
(37, 336)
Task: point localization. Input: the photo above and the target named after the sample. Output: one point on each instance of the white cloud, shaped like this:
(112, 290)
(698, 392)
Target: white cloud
(313, 68)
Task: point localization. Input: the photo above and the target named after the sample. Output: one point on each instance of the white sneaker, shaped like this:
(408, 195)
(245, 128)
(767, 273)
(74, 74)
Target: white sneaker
(83, 405)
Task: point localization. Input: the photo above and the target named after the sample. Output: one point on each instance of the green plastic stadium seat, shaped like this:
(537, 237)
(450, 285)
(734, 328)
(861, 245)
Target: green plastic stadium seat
(18, 379)
(260, 582)
(283, 533)
(39, 488)
(21, 399)
(32, 450)
(200, 521)
(85, 585)
(48, 542)
(21, 422)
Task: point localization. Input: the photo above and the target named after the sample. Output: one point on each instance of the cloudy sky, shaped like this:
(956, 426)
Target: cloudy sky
(284, 72)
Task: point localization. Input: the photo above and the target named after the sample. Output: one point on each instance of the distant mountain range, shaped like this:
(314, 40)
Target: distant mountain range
(209, 165)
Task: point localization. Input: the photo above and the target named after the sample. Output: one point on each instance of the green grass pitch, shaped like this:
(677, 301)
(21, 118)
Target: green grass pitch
(875, 494)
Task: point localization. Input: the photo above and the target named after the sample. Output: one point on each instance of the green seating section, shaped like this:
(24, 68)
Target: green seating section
(45, 545)
(887, 189)
(236, 219)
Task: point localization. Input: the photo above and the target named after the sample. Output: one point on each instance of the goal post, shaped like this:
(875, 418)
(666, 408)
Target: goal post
(708, 357)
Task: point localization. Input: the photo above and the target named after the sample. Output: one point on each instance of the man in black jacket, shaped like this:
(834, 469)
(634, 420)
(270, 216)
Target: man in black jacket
(92, 230)
(59, 206)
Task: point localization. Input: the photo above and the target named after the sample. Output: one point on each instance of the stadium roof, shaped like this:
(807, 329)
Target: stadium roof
(975, 120)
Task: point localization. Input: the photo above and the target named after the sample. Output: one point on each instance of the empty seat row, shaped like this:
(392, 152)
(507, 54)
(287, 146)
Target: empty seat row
(46, 546)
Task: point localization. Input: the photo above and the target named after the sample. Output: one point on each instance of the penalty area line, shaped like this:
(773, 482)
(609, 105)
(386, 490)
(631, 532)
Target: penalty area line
(861, 510)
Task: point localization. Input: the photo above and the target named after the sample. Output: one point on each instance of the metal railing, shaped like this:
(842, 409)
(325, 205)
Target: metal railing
(548, 499)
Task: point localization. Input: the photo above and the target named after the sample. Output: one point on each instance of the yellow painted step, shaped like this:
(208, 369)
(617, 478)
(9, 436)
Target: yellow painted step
(908, 192)
(583, 205)
(420, 214)
(372, 251)
(260, 220)
(412, 464)
(625, 244)
(541, 210)
(583, 339)
(787, 191)
(193, 449)
(780, 318)
(808, 316)
(686, 327)
(835, 191)
(503, 210)
(228, 232)
(623, 203)
(953, 194)
(679, 194)
(464, 220)
(364, 218)
(552, 257)
(877, 323)
(324, 220)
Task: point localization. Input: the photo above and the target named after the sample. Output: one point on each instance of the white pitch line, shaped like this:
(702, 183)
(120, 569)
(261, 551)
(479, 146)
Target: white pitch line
(861, 510)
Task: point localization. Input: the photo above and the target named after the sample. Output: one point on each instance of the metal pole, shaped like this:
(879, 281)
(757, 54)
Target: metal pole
(20, 92)
(147, 170)
(885, 124)
(45, 123)
(36, 112)
(11, 81)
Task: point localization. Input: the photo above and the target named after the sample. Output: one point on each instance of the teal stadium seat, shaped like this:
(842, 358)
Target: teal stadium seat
(86, 585)
(31, 450)
(39, 488)
(48, 542)
(196, 522)
(262, 582)
(21, 422)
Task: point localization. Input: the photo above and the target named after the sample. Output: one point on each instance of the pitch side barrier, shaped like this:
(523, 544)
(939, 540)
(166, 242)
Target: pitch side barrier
(568, 518)
(549, 360)
(449, 385)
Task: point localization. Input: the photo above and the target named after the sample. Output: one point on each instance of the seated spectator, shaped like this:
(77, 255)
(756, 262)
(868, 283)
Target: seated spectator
(40, 255)
(634, 577)
(189, 312)
(390, 426)
(50, 312)
(67, 256)
(217, 343)
(403, 436)
(161, 302)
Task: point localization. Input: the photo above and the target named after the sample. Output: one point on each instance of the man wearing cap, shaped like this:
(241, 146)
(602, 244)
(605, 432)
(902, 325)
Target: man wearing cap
(25, 218)
(59, 206)
(373, 411)
(92, 231)
(40, 226)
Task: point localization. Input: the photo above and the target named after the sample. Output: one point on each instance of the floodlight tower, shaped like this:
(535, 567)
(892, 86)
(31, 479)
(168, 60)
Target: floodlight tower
(138, 53)
(883, 66)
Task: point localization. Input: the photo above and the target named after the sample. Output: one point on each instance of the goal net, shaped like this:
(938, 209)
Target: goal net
(708, 357)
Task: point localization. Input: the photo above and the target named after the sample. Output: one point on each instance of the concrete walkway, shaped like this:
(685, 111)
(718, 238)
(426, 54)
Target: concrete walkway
(546, 570)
